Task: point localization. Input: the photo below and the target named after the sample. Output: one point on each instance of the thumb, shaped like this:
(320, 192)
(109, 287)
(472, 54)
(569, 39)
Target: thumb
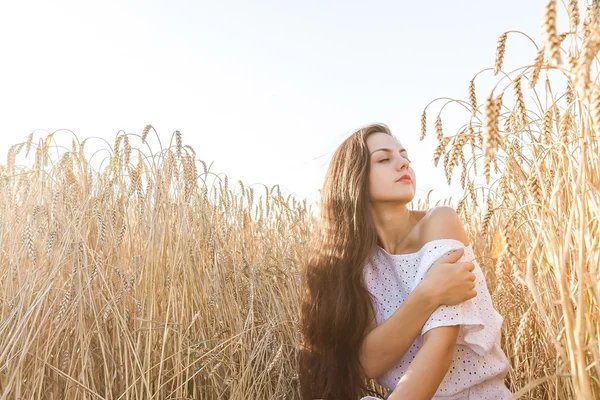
(454, 255)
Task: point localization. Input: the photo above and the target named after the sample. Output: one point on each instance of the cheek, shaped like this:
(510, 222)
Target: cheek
(373, 182)
(376, 182)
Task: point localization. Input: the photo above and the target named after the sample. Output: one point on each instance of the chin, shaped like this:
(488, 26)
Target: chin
(399, 199)
(404, 195)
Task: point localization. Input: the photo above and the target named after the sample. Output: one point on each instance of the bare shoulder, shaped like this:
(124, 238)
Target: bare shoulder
(442, 222)
(420, 213)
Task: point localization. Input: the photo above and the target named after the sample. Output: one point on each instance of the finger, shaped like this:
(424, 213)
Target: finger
(472, 293)
(472, 277)
(453, 255)
(467, 266)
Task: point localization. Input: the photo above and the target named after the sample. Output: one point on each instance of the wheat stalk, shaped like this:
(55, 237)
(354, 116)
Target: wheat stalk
(500, 49)
(573, 11)
(551, 41)
(423, 125)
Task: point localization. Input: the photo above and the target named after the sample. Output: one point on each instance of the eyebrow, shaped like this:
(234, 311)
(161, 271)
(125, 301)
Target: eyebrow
(388, 150)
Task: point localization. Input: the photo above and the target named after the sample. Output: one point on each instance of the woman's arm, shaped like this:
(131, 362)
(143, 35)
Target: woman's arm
(427, 371)
(447, 282)
(387, 343)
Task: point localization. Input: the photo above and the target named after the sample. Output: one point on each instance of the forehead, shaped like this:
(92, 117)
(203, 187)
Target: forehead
(381, 140)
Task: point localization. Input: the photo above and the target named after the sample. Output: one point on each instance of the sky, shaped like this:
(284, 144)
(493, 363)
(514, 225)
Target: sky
(263, 90)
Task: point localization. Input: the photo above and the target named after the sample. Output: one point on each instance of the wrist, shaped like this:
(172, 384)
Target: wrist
(427, 296)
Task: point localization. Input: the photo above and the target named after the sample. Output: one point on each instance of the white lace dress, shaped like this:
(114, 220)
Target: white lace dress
(479, 365)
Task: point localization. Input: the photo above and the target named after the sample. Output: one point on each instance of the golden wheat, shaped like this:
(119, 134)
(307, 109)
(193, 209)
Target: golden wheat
(472, 96)
(549, 30)
(542, 266)
(500, 49)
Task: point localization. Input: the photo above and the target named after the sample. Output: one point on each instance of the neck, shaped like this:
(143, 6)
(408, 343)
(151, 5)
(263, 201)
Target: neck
(393, 222)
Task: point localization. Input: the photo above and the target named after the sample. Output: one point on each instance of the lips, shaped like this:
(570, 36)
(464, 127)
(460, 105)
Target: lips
(405, 178)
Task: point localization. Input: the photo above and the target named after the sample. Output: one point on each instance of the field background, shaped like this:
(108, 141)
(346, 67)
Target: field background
(154, 277)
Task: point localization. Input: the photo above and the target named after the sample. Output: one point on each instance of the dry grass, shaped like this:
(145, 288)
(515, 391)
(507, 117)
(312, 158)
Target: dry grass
(152, 279)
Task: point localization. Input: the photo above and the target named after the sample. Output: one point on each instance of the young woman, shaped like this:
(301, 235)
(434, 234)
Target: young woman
(385, 296)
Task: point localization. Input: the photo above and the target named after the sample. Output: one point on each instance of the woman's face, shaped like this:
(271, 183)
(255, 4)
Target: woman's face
(389, 162)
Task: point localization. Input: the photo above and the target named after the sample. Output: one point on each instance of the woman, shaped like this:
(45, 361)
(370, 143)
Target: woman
(384, 296)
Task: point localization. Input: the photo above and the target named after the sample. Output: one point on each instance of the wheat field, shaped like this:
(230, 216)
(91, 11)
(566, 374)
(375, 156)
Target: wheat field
(152, 277)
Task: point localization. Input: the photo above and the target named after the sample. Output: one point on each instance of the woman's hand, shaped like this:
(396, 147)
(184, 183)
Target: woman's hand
(451, 282)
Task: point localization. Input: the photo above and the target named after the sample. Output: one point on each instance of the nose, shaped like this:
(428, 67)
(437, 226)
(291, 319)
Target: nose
(402, 163)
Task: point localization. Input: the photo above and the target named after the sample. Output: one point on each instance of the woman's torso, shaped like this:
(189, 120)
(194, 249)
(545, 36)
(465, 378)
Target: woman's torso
(389, 278)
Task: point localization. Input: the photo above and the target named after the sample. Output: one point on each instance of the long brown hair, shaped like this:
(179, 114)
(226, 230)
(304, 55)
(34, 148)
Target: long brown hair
(336, 305)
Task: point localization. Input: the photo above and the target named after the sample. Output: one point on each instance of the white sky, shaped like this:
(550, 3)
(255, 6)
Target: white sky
(266, 89)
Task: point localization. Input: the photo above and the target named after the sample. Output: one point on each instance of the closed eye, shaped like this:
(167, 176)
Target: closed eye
(387, 159)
